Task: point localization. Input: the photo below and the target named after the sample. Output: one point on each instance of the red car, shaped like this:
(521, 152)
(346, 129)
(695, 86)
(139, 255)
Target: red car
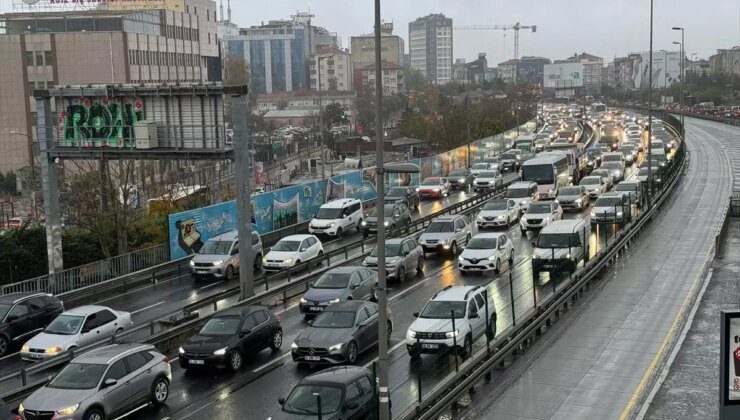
(434, 187)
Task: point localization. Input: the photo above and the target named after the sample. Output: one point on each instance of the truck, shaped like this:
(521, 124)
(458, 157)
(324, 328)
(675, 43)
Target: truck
(525, 143)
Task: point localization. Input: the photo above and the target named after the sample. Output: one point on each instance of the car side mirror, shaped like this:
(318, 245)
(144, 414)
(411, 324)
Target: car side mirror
(458, 230)
(473, 315)
(234, 251)
(12, 318)
(355, 286)
(49, 378)
(303, 249)
(416, 314)
(351, 405)
(311, 283)
(86, 330)
(109, 382)
(281, 401)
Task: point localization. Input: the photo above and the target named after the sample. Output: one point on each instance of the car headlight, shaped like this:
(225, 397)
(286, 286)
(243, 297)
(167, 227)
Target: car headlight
(264, 260)
(303, 300)
(450, 334)
(578, 200)
(386, 223)
(25, 348)
(551, 191)
(53, 350)
(443, 242)
(21, 409)
(288, 260)
(364, 263)
(331, 224)
(219, 262)
(619, 214)
(535, 257)
(410, 333)
(364, 223)
(567, 255)
(522, 203)
(492, 258)
(417, 190)
(181, 350)
(480, 218)
(336, 347)
(593, 214)
(191, 263)
(220, 352)
(460, 258)
(337, 300)
(294, 346)
(460, 181)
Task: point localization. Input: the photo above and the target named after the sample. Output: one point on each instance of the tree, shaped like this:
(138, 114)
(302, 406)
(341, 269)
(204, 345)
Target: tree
(333, 114)
(414, 79)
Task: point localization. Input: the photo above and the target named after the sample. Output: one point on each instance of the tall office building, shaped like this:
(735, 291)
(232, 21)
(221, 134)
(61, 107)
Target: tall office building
(362, 47)
(42, 49)
(430, 47)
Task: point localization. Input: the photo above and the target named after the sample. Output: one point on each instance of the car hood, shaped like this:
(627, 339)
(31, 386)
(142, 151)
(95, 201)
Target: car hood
(602, 210)
(536, 216)
(282, 415)
(547, 253)
(388, 259)
(436, 235)
(54, 399)
(206, 343)
(482, 179)
(431, 325)
(592, 187)
(429, 187)
(44, 340)
(323, 337)
(209, 258)
(479, 254)
(281, 255)
(569, 197)
(492, 213)
(323, 295)
(393, 200)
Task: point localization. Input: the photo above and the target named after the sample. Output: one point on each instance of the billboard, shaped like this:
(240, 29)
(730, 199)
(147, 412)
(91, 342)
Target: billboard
(666, 69)
(563, 75)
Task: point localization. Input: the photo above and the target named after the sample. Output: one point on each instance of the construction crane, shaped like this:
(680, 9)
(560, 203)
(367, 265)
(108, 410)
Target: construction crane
(515, 27)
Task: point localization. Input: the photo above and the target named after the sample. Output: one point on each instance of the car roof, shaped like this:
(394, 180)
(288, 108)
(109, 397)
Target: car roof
(562, 226)
(297, 237)
(107, 354)
(446, 218)
(345, 269)
(631, 183)
(522, 184)
(611, 194)
(347, 305)
(227, 236)
(240, 311)
(86, 310)
(432, 178)
(339, 203)
(454, 293)
(486, 235)
(337, 374)
(14, 297)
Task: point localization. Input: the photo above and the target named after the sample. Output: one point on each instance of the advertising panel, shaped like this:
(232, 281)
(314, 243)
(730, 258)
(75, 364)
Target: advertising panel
(666, 69)
(563, 75)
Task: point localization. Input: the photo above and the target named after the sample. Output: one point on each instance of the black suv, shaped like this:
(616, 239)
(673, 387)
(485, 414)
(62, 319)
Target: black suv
(229, 336)
(405, 195)
(346, 393)
(24, 314)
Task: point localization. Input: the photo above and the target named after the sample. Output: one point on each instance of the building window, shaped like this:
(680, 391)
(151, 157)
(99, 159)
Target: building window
(29, 58)
(47, 58)
(39, 58)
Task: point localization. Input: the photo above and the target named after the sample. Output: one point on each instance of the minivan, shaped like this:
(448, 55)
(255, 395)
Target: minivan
(561, 246)
(336, 216)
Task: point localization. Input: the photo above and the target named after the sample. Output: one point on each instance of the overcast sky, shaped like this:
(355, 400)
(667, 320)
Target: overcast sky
(606, 28)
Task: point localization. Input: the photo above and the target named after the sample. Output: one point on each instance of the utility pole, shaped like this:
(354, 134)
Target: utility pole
(383, 393)
(650, 114)
(683, 75)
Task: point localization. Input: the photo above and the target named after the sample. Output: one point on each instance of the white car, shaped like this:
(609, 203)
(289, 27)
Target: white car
(539, 215)
(523, 193)
(595, 185)
(485, 252)
(498, 213)
(607, 175)
(487, 180)
(291, 251)
(337, 216)
(75, 328)
(479, 167)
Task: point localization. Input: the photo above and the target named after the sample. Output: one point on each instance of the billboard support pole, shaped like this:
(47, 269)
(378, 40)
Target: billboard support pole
(50, 188)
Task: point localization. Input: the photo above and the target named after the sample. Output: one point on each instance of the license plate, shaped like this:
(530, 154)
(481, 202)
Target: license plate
(548, 265)
(312, 358)
(197, 362)
(34, 356)
(201, 271)
(315, 308)
(429, 346)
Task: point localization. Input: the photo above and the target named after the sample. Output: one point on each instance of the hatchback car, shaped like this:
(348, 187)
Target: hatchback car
(75, 328)
(539, 215)
(24, 314)
(447, 233)
(339, 334)
(397, 215)
(487, 180)
(434, 187)
(485, 253)
(498, 213)
(573, 198)
(402, 256)
(103, 383)
(228, 337)
(594, 184)
(291, 251)
(339, 284)
(612, 207)
(403, 195)
(460, 179)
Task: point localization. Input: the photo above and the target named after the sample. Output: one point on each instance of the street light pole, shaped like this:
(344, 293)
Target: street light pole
(683, 75)
(650, 113)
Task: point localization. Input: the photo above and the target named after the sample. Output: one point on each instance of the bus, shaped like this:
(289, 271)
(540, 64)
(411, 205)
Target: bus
(550, 170)
(598, 107)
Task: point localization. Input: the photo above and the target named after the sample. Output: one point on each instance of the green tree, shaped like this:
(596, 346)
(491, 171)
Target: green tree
(414, 79)
(333, 114)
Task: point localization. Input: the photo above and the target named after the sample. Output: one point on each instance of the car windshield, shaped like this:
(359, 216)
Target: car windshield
(495, 205)
(487, 174)
(396, 192)
(431, 182)
(604, 173)
(329, 213)
(482, 243)
(302, 400)
(65, 325)
(223, 325)
(4, 308)
(570, 191)
(518, 193)
(440, 227)
(608, 202)
(557, 240)
(611, 165)
(442, 309)
(626, 186)
(334, 319)
(591, 180)
(215, 248)
(78, 376)
(480, 166)
(286, 246)
(332, 281)
(391, 250)
(541, 174)
(459, 172)
(536, 208)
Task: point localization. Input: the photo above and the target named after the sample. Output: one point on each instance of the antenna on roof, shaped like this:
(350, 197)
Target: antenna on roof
(228, 10)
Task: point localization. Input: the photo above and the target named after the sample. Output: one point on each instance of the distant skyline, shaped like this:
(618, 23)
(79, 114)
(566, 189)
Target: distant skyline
(564, 27)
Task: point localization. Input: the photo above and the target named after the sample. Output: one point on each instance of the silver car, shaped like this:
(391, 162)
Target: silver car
(402, 255)
(103, 383)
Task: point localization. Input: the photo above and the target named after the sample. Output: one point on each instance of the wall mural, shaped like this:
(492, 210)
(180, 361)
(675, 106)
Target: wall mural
(99, 122)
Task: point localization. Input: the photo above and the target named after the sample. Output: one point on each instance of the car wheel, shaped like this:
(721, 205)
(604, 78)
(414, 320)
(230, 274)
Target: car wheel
(420, 265)
(257, 262)
(453, 248)
(401, 273)
(339, 232)
(467, 349)
(351, 353)
(160, 391)
(508, 221)
(4, 344)
(374, 294)
(498, 265)
(94, 414)
(235, 360)
(229, 272)
(414, 354)
(491, 329)
(511, 257)
(359, 225)
(277, 340)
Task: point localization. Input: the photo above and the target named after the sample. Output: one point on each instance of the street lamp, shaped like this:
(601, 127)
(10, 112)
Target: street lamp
(321, 109)
(650, 113)
(678, 28)
(30, 152)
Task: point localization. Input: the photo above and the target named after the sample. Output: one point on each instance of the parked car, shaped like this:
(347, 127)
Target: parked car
(460, 179)
(402, 256)
(291, 251)
(539, 215)
(74, 328)
(498, 213)
(23, 315)
(106, 382)
(337, 216)
(339, 334)
(447, 233)
(230, 336)
(434, 187)
(573, 198)
(346, 393)
(487, 180)
(404, 195)
(218, 258)
(397, 215)
(485, 252)
(339, 284)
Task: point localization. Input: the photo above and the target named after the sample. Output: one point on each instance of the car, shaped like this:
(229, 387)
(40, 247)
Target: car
(14, 223)
(606, 174)
(218, 258)
(612, 207)
(336, 285)
(106, 382)
(339, 334)
(346, 392)
(632, 189)
(523, 192)
(337, 216)
(291, 251)
(539, 215)
(511, 160)
(630, 153)
(616, 170)
(642, 174)
(230, 336)
(402, 256)
(487, 180)
(75, 328)
(447, 233)
(404, 195)
(593, 157)
(23, 315)
(485, 252)
(434, 187)
(397, 215)
(474, 315)
(594, 184)
(561, 246)
(497, 213)
(573, 198)
(460, 179)
(479, 167)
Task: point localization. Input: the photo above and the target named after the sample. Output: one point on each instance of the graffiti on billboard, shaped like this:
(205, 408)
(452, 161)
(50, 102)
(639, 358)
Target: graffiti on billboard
(190, 229)
(103, 122)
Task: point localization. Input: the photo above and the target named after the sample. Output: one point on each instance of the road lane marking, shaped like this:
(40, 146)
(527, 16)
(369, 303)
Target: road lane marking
(272, 362)
(147, 307)
(390, 351)
(210, 285)
(287, 309)
(8, 356)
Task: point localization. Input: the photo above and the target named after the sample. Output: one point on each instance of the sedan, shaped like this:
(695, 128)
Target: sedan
(76, 328)
(607, 175)
(485, 253)
(498, 213)
(539, 215)
(434, 187)
(339, 334)
(487, 180)
(402, 255)
(616, 170)
(404, 195)
(594, 184)
(291, 251)
(575, 198)
(230, 336)
(337, 285)
(460, 179)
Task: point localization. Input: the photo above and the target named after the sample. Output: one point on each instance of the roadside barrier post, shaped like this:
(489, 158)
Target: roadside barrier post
(454, 340)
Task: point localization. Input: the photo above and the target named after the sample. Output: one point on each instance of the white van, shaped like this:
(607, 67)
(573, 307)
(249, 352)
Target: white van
(336, 216)
(560, 246)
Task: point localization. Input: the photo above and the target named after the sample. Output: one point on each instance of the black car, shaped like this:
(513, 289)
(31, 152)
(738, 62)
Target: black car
(22, 315)
(397, 215)
(339, 334)
(460, 179)
(405, 195)
(345, 393)
(229, 336)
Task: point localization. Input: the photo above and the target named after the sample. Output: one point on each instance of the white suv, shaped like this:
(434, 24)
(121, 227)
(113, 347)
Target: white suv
(447, 233)
(337, 216)
(432, 331)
